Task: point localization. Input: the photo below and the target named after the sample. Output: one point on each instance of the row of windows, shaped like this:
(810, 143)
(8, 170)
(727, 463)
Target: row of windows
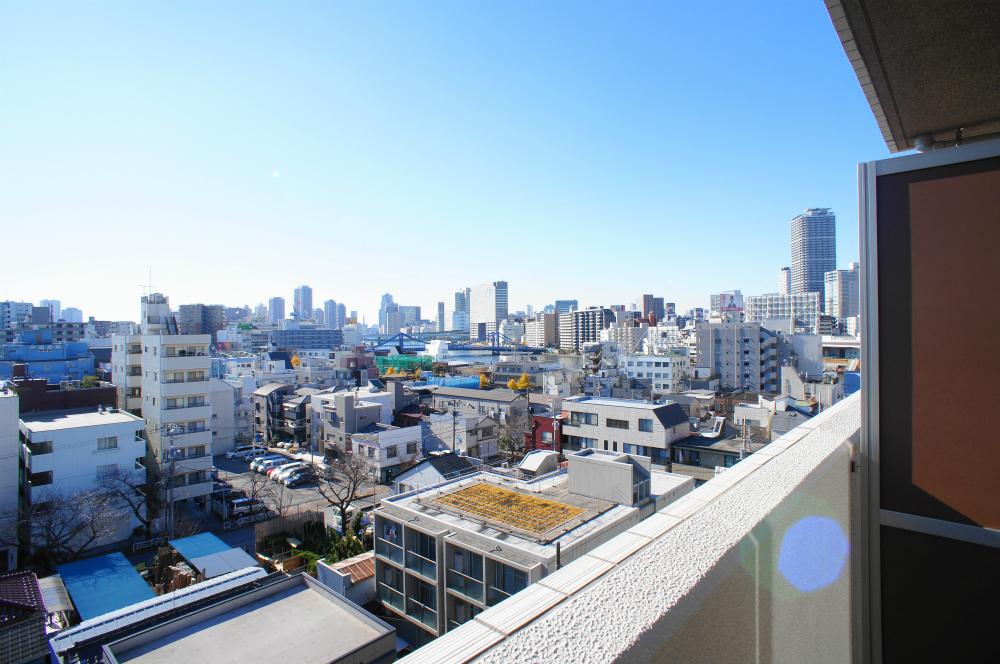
(390, 452)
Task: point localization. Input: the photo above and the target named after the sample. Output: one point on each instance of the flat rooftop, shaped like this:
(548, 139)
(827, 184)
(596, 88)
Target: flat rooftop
(103, 584)
(516, 509)
(54, 420)
(620, 403)
(297, 623)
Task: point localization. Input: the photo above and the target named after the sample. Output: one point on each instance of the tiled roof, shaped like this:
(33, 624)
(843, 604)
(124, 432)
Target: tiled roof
(20, 596)
(360, 567)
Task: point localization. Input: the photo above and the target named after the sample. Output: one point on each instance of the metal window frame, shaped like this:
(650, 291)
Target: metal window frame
(868, 607)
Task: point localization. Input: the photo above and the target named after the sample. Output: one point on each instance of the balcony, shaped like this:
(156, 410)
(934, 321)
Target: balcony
(389, 550)
(423, 566)
(754, 565)
(421, 612)
(465, 585)
(392, 597)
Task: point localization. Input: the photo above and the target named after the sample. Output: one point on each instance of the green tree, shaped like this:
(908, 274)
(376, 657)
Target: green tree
(90, 381)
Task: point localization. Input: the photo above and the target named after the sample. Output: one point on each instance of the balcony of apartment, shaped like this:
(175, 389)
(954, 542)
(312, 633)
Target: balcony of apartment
(754, 565)
(178, 388)
(183, 413)
(185, 362)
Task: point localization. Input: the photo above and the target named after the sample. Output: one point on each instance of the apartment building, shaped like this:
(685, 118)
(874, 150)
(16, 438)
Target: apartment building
(163, 376)
(268, 414)
(70, 451)
(543, 331)
(814, 249)
(445, 553)
(628, 335)
(842, 297)
(667, 372)
(623, 425)
(577, 328)
(744, 356)
(803, 309)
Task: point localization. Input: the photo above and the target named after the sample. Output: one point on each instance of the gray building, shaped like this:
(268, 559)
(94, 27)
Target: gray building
(276, 309)
(315, 337)
(440, 317)
(201, 318)
(743, 356)
(447, 552)
(814, 249)
(566, 306)
(302, 306)
(331, 315)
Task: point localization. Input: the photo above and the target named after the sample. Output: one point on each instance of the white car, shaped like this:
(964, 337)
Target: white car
(257, 463)
(265, 464)
(286, 470)
(236, 452)
(254, 454)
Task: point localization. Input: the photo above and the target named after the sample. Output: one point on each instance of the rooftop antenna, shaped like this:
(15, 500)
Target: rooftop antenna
(148, 287)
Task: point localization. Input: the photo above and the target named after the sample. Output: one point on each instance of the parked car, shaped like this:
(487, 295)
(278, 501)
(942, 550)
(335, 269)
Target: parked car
(286, 470)
(299, 477)
(255, 454)
(259, 461)
(265, 464)
(286, 445)
(237, 451)
(245, 506)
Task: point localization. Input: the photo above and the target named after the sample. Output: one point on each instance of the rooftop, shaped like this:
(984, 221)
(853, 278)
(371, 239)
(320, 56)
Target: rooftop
(102, 584)
(20, 596)
(465, 393)
(54, 420)
(516, 509)
(293, 620)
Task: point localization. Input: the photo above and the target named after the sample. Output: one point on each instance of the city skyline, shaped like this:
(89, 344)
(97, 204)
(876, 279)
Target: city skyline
(455, 124)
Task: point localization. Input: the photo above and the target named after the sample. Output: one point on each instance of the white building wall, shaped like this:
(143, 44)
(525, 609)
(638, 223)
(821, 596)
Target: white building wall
(10, 454)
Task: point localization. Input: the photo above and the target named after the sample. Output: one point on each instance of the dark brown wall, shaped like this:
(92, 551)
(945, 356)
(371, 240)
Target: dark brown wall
(37, 395)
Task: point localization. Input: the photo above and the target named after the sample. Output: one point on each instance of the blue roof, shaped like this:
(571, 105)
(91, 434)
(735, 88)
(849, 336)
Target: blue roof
(103, 584)
(197, 546)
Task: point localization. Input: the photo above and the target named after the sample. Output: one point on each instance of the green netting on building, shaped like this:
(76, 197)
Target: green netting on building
(403, 362)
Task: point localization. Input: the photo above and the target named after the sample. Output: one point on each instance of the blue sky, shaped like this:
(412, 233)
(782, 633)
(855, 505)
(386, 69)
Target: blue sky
(590, 151)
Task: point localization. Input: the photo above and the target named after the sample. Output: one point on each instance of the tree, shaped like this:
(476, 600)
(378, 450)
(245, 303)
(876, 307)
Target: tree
(515, 424)
(134, 490)
(523, 383)
(484, 381)
(390, 371)
(295, 361)
(64, 526)
(342, 482)
(512, 384)
(90, 381)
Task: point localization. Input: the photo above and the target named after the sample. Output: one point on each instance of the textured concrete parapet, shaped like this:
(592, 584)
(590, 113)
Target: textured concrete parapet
(754, 565)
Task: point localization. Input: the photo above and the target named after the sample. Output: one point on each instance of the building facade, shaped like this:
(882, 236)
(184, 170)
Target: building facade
(803, 309)
(577, 328)
(842, 292)
(487, 307)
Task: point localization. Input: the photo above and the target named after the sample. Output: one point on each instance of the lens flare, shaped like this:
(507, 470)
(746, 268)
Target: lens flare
(813, 553)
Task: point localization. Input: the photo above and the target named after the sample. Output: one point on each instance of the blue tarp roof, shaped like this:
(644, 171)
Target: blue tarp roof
(197, 546)
(103, 584)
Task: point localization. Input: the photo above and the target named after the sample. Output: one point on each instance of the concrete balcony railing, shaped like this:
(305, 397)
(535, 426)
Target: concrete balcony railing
(754, 565)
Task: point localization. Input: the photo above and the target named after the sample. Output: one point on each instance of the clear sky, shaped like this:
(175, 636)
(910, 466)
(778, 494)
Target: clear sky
(576, 150)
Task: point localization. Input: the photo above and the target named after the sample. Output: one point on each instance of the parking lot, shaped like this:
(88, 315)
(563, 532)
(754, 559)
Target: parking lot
(277, 497)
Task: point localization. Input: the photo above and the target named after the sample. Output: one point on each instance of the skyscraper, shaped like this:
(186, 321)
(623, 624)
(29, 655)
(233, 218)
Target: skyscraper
(460, 314)
(652, 305)
(276, 309)
(55, 309)
(303, 305)
(566, 306)
(330, 315)
(440, 317)
(385, 306)
(342, 315)
(814, 249)
(785, 281)
(487, 307)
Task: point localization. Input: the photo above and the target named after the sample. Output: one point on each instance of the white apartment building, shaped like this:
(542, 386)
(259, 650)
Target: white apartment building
(487, 307)
(9, 476)
(164, 376)
(628, 337)
(802, 308)
(842, 292)
(542, 331)
(70, 451)
(577, 328)
(666, 371)
(624, 425)
(388, 450)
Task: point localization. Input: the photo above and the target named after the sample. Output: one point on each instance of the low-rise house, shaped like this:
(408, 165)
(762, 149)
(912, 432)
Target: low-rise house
(389, 450)
(434, 469)
(622, 425)
(268, 417)
(472, 435)
(496, 403)
(22, 620)
(353, 578)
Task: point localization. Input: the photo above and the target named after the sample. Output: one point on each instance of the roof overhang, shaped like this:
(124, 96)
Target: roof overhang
(930, 70)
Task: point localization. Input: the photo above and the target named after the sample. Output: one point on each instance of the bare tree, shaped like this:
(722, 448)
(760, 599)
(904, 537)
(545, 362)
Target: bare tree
(131, 488)
(342, 483)
(514, 426)
(67, 524)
